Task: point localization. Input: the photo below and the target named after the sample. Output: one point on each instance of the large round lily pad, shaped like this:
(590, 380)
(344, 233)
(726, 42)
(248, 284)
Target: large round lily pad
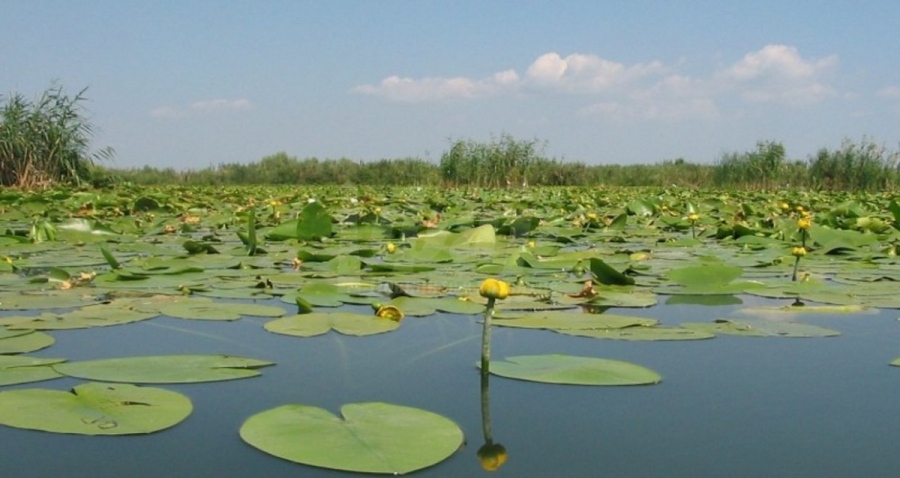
(164, 368)
(567, 369)
(94, 409)
(370, 438)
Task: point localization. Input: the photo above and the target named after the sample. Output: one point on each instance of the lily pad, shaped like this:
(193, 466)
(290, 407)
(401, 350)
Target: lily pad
(27, 341)
(761, 328)
(641, 333)
(201, 309)
(369, 438)
(164, 368)
(571, 370)
(318, 323)
(572, 320)
(94, 409)
(14, 370)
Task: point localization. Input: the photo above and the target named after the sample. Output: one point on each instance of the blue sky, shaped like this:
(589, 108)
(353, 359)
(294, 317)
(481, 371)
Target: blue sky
(191, 83)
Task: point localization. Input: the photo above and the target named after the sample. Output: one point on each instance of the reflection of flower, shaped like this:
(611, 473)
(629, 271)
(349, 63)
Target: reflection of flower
(492, 456)
(390, 312)
(494, 289)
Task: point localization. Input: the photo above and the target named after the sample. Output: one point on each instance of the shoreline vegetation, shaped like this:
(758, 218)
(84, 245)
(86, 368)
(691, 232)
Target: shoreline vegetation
(46, 142)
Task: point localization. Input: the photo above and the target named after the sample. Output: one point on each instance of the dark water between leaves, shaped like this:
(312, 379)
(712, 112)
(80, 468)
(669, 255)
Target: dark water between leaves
(730, 406)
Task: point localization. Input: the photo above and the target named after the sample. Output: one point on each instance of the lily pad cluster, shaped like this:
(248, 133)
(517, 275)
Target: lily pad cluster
(572, 261)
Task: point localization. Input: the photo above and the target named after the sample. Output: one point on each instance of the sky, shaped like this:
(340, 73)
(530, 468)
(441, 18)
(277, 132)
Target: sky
(190, 84)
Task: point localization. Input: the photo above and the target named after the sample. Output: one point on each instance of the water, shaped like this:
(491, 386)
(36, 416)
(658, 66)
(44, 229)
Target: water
(731, 406)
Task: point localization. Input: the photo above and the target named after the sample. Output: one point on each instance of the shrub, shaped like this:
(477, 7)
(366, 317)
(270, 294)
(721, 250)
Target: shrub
(46, 141)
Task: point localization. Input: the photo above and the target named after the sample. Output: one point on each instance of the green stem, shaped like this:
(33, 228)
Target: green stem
(796, 266)
(486, 337)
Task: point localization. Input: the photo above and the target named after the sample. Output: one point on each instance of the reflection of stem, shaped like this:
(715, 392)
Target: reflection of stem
(486, 406)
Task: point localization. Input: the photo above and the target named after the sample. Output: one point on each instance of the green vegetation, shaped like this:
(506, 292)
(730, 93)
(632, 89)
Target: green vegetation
(46, 141)
(507, 162)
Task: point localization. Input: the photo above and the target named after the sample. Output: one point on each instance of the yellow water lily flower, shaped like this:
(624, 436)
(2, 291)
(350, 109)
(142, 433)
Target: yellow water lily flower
(494, 289)
(798, 251)
(804, 223)
(389, 312)
(391, 247)
(694, 217)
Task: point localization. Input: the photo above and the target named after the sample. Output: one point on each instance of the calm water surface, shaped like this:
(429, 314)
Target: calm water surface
(731, 406)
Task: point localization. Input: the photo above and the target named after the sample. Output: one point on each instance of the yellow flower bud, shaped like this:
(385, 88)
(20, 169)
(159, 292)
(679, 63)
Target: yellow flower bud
(390, 247)
(785, 206)
(798, 251)
(531, 244)
(804, 223)
(494, 289)
(694, 217)
(389, 312)
(492, 456)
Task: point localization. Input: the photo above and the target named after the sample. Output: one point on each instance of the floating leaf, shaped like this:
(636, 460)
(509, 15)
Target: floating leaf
(641, 333)
(94, 409)
(761, 328)
(13, 342)
(14, 370)
(201, 309)
(99, 315)
(370, 438)
(571, 320)
(318, 323)
(566, 369)
(164, 368)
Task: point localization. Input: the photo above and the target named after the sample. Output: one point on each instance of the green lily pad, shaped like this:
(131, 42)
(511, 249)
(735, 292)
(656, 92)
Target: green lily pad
(761, 328)
(98, 315)
(318, 323)
(571, 370)
(203, 309)
(641, 333)
(164, 368)
(369, 438)
(27, 341)
(94, 409)
(15, 370)
(571, 320)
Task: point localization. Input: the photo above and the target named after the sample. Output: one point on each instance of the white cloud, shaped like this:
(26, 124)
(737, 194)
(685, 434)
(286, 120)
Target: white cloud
(774, 74)
(202, 107)
(778, 74)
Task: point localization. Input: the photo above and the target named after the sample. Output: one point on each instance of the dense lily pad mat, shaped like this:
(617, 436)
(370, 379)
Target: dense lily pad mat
(94, 409)
(567, 369)
(370, 438)
(20, 369)
(164, 368)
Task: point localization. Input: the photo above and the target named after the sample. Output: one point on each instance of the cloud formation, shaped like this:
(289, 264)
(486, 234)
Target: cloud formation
(774, 74)
(202, 107)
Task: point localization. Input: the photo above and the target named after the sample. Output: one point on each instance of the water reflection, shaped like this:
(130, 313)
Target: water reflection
(491, 455)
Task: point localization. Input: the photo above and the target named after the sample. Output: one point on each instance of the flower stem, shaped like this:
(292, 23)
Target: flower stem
(486, 337)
